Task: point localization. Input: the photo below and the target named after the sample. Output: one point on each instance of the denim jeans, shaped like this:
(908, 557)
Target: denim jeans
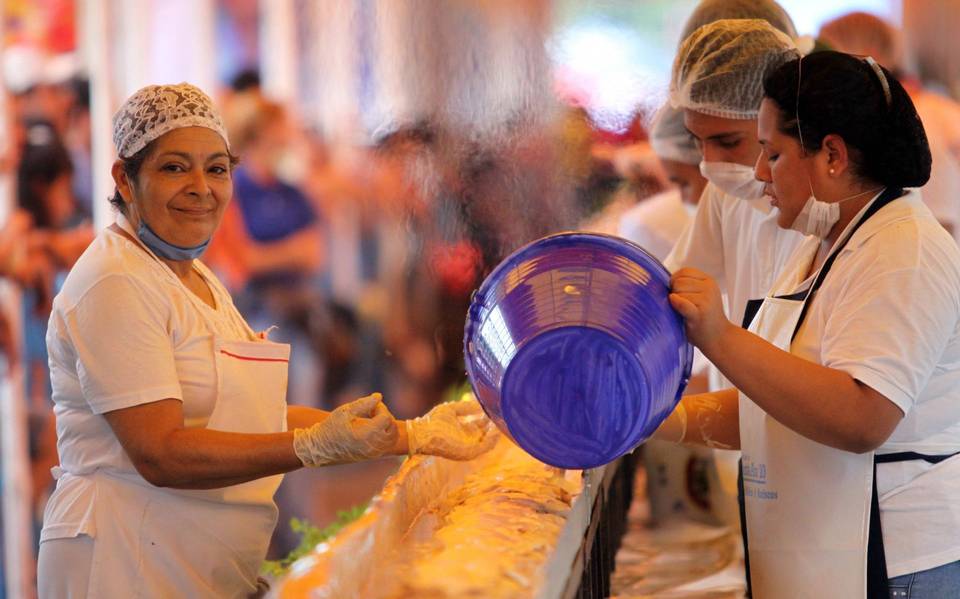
(942, 582)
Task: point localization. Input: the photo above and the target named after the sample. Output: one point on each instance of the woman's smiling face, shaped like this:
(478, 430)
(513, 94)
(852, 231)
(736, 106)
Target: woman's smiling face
(183, 186)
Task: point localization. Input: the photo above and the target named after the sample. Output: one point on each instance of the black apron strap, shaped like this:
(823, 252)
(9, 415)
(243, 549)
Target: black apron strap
(750, 312)
(906, 456)
(742, 505)
(889, 194)
(878, 585)
(753, 305)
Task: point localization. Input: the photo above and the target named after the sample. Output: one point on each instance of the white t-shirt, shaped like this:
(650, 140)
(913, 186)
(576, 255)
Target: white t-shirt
(656, 223)
(125, 331)
(888, 314)
(736, 244)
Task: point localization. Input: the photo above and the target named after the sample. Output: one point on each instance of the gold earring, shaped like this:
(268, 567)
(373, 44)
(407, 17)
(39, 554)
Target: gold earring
(831, 171)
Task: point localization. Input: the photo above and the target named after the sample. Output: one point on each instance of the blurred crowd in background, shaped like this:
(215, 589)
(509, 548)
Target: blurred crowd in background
(429, 214)
(422, 210)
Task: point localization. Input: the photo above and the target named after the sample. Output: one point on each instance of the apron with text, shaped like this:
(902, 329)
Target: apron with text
(808, 506)
(165, 543)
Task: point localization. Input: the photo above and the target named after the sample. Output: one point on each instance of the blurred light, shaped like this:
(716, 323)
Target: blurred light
(610, 70)
(809, 15)
(495, 335)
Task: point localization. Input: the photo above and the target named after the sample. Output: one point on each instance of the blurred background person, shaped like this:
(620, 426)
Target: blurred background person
(657, 222)
(618, 170)
(57, 234)
(271, 244)
(864, 34)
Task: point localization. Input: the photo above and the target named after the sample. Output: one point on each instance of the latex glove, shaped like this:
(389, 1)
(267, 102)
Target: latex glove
(456, 430)
(360, 430)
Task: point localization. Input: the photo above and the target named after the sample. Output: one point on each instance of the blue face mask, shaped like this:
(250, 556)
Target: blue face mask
(165, 249)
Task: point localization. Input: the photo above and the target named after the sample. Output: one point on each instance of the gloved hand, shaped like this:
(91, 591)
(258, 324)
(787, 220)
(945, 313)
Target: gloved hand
(456, 430)
(360, 430)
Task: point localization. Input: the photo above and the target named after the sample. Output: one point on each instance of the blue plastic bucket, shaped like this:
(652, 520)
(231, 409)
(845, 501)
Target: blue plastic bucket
(573, 349)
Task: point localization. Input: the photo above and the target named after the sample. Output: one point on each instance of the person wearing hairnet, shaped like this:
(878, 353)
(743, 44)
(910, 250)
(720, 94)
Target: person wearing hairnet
(657, 222)
(848, 379)
(710, 11)
(172, 423)
(863, 34)
(716, 81)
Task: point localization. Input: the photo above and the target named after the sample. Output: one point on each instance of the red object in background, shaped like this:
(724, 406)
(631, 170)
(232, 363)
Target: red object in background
(49, 25)
(633, 134)
(457, 266)
(61, 34)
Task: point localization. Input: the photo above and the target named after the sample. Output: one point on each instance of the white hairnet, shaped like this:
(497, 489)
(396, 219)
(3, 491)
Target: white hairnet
(670, 139)
(709, 11)
(22, 68)
(720, 68)
(157, 109)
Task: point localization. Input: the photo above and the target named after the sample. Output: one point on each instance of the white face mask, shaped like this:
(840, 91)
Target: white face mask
(736, 180)
(290, 165)
(818, 218)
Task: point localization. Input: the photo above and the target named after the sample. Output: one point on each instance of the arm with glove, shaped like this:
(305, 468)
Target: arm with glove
(365, 429)
(167, 454)
(456, 430)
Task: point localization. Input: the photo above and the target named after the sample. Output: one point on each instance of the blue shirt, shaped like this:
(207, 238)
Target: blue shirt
(273, 211)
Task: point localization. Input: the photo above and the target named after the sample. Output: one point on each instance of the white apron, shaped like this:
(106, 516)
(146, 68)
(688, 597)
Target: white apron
(167, 543)
(808, 506)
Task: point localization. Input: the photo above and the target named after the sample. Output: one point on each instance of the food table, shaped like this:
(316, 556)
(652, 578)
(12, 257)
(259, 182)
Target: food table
(507, 526)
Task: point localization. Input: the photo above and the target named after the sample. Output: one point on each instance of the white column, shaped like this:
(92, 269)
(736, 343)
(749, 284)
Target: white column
(17, 484)
(205, 40)
(278, 50)
(333, 47)
(18, 548)
(180, 42)
(128, 45)
(411, 61)
(95, 40)
(335, 54)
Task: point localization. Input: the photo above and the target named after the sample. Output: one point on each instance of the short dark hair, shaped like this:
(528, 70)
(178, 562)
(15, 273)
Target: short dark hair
(132, 166)
(843, 95)
(245, 80)
(43, 160)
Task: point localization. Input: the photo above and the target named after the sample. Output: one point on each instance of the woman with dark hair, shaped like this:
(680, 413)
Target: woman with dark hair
(173, 428)
(849, 375)
(43, 177)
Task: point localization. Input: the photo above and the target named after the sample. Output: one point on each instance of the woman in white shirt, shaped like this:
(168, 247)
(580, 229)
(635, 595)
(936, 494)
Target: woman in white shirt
(172, 423)
(849, 377)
